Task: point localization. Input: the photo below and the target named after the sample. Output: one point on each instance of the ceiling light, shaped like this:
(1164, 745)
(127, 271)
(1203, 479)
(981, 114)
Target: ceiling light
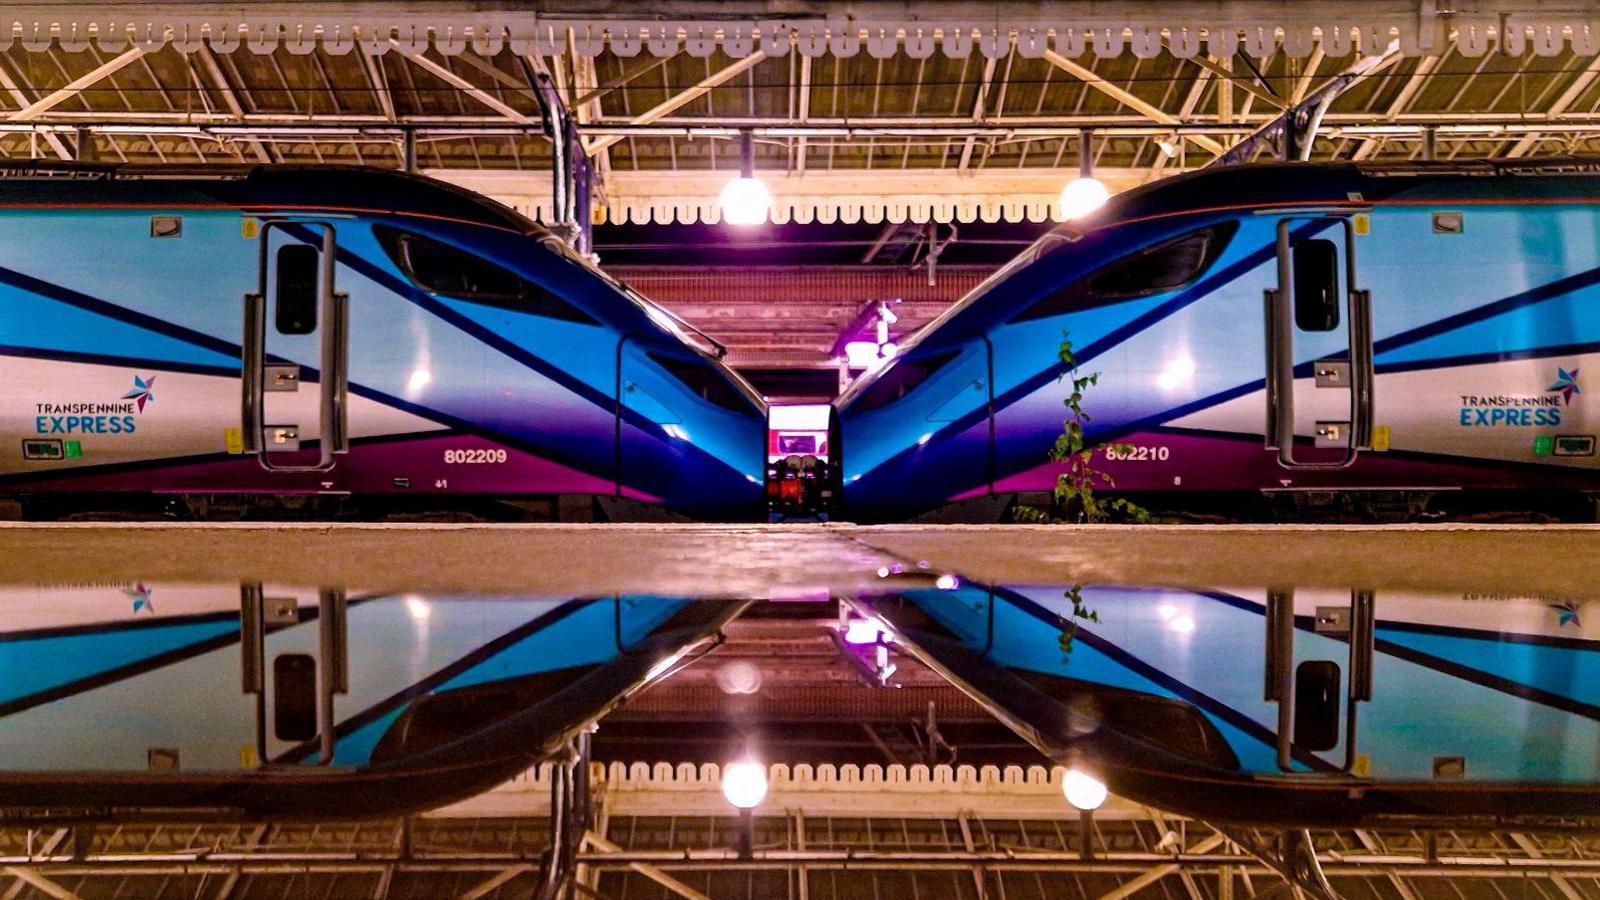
(745, 200)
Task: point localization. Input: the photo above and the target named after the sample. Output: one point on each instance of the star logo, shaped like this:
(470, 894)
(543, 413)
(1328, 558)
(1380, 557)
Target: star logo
(1566, 384)
(1566, 613)
(140, 595)
(140, 393)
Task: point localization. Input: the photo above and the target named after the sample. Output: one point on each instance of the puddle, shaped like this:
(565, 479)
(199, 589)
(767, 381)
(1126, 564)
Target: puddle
(1319, 705)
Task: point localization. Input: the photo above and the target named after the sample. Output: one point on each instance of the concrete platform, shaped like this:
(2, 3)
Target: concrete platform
(767, 561)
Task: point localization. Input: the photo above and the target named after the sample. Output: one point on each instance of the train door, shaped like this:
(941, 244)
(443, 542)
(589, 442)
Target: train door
(1317, 287)
(294, 691)
(296, 326)
(653, 441)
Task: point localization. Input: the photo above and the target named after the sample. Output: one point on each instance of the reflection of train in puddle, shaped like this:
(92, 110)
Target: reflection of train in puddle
(272, 701)
(1279, 706)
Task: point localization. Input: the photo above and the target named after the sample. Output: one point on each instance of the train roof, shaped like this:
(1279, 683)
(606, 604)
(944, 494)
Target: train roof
(352, 187)
(1290, 182)
(1249, 185)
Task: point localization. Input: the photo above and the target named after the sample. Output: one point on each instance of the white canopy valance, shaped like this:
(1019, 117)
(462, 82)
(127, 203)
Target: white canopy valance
(1103, 29)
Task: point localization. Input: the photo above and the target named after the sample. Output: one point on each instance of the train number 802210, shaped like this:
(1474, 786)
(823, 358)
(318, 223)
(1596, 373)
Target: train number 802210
(1138, 453)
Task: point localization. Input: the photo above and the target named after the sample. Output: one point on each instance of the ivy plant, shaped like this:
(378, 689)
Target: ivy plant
(1075, 496)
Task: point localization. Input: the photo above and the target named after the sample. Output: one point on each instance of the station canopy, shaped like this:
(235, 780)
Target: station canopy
(862, 112)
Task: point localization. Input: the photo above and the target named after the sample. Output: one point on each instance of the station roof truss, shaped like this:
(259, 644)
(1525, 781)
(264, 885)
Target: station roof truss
(884, 832)
(877, 111)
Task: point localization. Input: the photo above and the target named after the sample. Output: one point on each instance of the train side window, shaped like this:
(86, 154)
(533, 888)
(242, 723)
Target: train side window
(1165, 267)
(901, 379)
(703, 381)
(1316, 285)
(295, 295)
(451, 272)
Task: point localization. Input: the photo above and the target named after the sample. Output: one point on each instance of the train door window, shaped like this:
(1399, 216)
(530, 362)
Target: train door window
(1316, 285)
(901, 379)
(1165, 267)
(294, 692)
(295, 302)
(703, 381)
(451, 272)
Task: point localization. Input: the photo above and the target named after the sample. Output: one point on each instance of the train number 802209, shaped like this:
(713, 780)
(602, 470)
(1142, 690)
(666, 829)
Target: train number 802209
(490, 455)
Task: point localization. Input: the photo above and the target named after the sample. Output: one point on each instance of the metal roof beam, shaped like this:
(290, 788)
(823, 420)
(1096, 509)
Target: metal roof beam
(40, 883)
(1150, 111)
(1401, 103)
(1245, 84)
(1561, 105)
(648, 871)
(208, 61)
(683, 98)
(978, 104)
(76, 86)
(467, 87)
(21, 99)
(1134, 885)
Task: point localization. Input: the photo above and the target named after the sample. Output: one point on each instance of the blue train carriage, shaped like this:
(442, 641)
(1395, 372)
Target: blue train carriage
(1308, 708)
(275, 334)
(308, 703)
(1426, 331)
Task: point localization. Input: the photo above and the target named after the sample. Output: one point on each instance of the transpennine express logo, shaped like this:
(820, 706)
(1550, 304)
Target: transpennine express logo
(96, 418)
(1521, 410)
(1566, 384)
(140, 595)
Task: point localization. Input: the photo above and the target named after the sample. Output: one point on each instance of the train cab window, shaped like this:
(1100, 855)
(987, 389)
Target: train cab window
(902, 378)
(703, 381)
(1316, 285)
(1154, 270)
(451, 272)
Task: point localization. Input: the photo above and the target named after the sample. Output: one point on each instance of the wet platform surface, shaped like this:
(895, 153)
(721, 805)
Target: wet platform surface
(773, 561)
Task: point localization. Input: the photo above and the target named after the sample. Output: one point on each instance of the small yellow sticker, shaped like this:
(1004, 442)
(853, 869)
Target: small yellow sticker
(249, 228)
(247, 757)
(1363, 766)
(1380, 438)
(234, 437)
(1362, 223)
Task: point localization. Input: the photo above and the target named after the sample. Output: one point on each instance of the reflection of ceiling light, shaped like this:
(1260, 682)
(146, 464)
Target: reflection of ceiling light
(864, 631)
(1083, 791)
(1182, 625)
(418, 608)
(420, 378)
(1166, 610)
(947, 582)
(744, 784)
(739, 676)
(861, 354)
(923, 441)
(1178, 372)
(662, 666)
